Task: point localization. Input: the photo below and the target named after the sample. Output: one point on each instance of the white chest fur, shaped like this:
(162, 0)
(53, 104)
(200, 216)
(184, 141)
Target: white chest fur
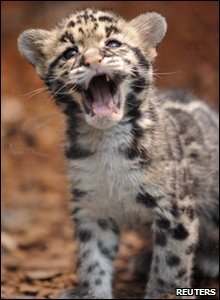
(112, 181)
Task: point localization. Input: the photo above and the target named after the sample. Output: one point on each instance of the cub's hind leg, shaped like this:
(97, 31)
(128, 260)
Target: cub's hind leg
(175, 231)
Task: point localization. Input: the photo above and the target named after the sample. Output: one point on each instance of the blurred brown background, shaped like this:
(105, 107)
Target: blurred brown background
(37, 232)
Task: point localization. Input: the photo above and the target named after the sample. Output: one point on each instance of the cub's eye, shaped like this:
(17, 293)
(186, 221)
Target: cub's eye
(113, 44)
(69, 53)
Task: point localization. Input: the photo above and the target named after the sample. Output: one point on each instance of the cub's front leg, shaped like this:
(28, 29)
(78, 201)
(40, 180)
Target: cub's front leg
(175, 231)
(97, 244)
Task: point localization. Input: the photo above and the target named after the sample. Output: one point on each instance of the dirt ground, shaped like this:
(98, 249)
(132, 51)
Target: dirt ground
(38, 250)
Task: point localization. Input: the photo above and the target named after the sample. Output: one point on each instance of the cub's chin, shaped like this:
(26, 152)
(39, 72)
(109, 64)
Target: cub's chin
(104, 120)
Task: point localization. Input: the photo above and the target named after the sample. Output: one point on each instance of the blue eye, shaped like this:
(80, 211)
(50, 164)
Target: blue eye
(69, 53)
(113, 44)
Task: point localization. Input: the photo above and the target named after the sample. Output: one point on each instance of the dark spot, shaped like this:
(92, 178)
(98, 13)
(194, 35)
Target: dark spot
(175, 210)
(181, 273)
(96, 25)
(135, 150)
(103, 224)
(190, 213)
(98, 282)
(160, 238)
(76, 152)
(92, 267)
(85, 284)
(179, 232)
(114, 226)
(86, 16)
(134, 112)
(160, 281)
(86, 254)
(71, 24)
(78, 193)
(80, 30)
(106, 18)
(102, 272)
(173, 260)
(194, 155)
(93, 19)
(156, 270)
(105, 251)
(84, 235)
(111, 29)
(147, 199)
(133, 105)
(67, 37)
(163, 223)
(76, 210)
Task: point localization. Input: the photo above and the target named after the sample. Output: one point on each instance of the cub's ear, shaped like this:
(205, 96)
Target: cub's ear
(31, 45)
(152, 28)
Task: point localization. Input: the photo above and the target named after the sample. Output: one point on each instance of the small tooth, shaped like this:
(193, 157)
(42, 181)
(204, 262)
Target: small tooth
(107, 78)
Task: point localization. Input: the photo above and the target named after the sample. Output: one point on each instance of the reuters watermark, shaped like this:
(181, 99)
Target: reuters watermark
(196, 292)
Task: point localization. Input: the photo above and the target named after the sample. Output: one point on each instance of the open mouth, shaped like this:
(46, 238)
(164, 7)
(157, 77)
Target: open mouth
(101, 97)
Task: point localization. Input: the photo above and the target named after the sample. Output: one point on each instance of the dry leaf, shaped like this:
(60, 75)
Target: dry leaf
(42, 275)
(8, 242)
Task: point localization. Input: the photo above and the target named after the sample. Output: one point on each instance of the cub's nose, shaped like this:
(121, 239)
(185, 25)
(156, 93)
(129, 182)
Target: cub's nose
(92, 58)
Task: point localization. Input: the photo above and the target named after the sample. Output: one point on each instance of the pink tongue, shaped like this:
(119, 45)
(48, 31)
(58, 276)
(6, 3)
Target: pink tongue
(102, 97)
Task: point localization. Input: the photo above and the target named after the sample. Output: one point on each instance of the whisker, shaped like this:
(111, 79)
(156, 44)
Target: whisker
(62, 87)
(166, 73)
(34, 92)
(156, 74)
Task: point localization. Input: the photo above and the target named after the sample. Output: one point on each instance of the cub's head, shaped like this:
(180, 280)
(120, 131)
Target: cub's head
(98, 60)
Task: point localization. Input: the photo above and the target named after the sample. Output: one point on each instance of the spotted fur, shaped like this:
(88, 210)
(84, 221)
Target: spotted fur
(153, 159)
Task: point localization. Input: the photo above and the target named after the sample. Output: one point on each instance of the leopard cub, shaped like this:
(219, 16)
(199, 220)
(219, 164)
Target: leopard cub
(136, 158)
